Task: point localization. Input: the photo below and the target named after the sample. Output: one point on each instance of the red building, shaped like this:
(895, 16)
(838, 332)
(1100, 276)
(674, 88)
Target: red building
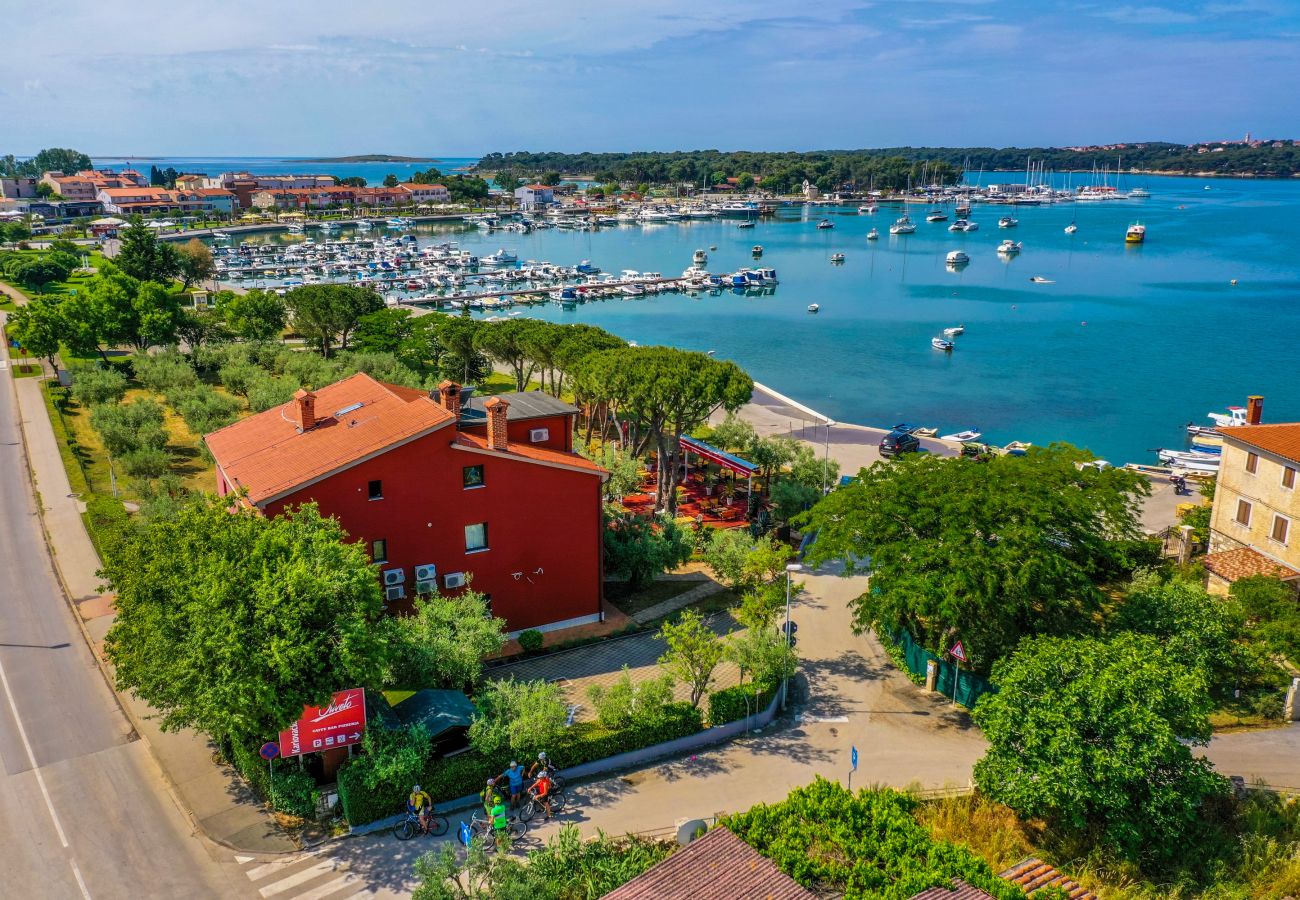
(439, 494)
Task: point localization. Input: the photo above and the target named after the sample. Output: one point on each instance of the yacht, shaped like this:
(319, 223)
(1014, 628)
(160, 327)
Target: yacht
(937, 215)
(501, 257)
(363, 225)
(963, 225)
(943, 344)
(837, 257)
(873, 235)
(1136, 234)
(745, 224)
(961, 437)
(902, 226)
(953, 332)
(1071, 228)
(813, 307)
(1008, 222)
(825, 223)
(296, 228)
(699, 257)
(756, 250)
(957, 258)
(868, 209)
(1139, 193)
(1009, 247)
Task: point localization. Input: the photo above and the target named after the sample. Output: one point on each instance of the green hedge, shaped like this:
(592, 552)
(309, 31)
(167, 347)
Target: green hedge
(107, 522)
(291, 791)
(466, 773)
(730, 704)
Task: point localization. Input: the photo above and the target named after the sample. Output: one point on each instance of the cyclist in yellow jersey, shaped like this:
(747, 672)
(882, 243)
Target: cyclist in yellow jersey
(420, 804)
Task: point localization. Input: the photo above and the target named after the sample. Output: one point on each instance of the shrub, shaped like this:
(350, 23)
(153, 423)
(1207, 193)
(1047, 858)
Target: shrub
(107, 521)
(531, 640)
(93, 386)
(163, 372)
(130, 426)
(395, 755)
(626, 704)
(202, 408)
(294, 793)
(733, 703)
(266, 391)
(147, 462)
(518, 715)
(238, 377)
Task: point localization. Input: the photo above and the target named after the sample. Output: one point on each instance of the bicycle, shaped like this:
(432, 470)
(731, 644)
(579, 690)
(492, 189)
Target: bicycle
(482, 829)
(532, 806)
(410, 826)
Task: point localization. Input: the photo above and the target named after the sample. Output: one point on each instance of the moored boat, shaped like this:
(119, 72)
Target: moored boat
(825, 223)
(813, 307)
(957, 258)
(873, 235)
(954, 331)
(960, 437)
(943, 344)
(903, 225)
(1136, 234)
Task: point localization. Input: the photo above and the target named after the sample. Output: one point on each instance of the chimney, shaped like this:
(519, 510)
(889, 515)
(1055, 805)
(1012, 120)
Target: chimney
(449, 397)
(497, 437)
(1254, 409)
(305, 403)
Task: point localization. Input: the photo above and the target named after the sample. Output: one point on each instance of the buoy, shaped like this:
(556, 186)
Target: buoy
(1013, 306)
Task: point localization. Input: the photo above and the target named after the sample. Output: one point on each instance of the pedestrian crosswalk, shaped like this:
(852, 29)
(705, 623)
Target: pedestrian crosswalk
(311, 875)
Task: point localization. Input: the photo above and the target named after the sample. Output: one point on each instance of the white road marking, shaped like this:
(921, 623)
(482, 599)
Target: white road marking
(292, 881)
(259, 872)
(81, 882)
(329, 887)
(31, 758)
(823, 719)
(244, 860)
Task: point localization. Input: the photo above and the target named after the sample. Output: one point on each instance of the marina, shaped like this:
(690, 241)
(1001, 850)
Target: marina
(1069, 349)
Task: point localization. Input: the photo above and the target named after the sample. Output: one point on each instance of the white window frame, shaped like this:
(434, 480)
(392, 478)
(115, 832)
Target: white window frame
(486, 545)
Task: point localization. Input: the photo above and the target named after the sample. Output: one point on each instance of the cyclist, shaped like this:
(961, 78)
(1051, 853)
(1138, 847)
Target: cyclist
(514, 778)
(500, 820)
(490, 796)
(541, 790)
(420, 804)
(542, 765)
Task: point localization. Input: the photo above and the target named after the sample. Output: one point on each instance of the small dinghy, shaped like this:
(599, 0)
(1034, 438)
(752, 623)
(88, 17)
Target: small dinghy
(953, 332)
(813, 307)
(943, 344)
(963, 436)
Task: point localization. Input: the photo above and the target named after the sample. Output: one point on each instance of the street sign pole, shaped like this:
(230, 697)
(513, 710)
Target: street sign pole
(853, 758)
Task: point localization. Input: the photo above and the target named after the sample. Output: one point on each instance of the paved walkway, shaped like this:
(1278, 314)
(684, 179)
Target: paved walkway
(681, 601)
(218, 800)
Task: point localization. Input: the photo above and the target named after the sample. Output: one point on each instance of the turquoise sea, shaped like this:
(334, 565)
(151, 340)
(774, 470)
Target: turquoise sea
(1127, 346)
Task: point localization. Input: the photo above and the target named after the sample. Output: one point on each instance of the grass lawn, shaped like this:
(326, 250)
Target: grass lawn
(631, 602)
(75, 457)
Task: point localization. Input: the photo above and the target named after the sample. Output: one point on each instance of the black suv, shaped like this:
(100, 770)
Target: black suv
(897, 442)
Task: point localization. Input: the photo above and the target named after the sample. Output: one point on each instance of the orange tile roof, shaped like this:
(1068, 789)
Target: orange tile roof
(1244, 562)
(1033, 875)
(138, 192)
(267, 455)
(531, 453)
(1282, 439)
(718, 866)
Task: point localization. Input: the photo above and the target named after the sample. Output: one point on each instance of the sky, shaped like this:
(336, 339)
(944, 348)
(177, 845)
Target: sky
(432, 77)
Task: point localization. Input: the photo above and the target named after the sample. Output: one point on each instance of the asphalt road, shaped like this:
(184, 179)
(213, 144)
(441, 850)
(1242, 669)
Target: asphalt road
(84, 812)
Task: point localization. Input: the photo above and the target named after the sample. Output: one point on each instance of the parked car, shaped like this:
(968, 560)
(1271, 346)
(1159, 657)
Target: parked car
(897, 442)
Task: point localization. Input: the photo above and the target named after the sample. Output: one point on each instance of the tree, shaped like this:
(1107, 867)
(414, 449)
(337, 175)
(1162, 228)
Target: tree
(52, 159)
(577, 341)
(127, 428)
(384, 330)
(624, 470)
(734, 433)
(509, 343)
(38, 327)
(461, 360)
(390, 180)
(351, 181)
(763, 653)
(745, 181)
(1272, 614)
(151, 319)
(256, 316)
(550, 179)
(639, 548)
(518, 717)
(443, 643)
(323, 313)
(144, 257)
(1095, 737)
(987, 552)
(194, 263)
(692, 654)
(231, 623)
(40, 272)
(726, 553)
(507, 181)
(93, 386)
(626, 703)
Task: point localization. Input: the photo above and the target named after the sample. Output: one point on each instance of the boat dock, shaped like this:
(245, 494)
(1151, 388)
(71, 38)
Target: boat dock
(584, 292)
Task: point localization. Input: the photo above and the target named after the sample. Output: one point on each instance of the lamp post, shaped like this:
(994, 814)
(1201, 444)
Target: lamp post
(790, 569)
(826, 455)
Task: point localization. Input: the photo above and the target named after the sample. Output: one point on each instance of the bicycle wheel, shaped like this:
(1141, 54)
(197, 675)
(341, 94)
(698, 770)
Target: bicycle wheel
(559, 782)
(557, 804)
(527, 811)
(516, 830)
(438, 825)
(404, 830)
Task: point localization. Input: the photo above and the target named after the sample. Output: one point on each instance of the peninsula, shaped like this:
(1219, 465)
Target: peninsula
(370, 158)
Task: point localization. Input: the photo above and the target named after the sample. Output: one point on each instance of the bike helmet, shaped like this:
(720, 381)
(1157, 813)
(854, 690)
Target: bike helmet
(491, 781)
(542, 756)
(416, 789)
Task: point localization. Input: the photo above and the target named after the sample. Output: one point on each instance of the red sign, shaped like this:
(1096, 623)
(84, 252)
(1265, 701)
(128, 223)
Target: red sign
(324, 728)
(958, 651)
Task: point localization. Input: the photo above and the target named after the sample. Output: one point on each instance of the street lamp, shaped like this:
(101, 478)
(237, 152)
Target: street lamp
(826, 455)
(790, 569)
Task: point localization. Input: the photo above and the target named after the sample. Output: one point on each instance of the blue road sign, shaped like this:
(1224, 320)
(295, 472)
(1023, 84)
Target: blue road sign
(270, 750)
(854, 757)
(463, 833)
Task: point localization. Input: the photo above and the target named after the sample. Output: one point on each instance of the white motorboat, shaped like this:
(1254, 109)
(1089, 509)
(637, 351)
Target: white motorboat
(1194, 462)
(699, 257)
(937, 215)
(825, 223)
(1039, 279)
(813, 307)
(957, 258)
(1071, 228)
(873, 235)
(296, 228)
(1139, 193)
(1236, 415)
(962, 225)
(1009, 247)
(903, 225)
(363, 225)
(868, 209)
(963, 436)
(943, 344)
(501, 257)
(953, 332)
(756, 250)
(1008, 222)
(837, 257)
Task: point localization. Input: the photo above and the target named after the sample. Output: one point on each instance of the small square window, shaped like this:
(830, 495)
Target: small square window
(376, 490)
(1281, 526)
(1288, 477)
(1243, 512)
(476, 537)
(473, 476)
(1252, 462)
(379, 550)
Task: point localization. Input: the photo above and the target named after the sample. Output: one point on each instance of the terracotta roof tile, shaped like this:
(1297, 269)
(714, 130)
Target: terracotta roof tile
(718, 866)
(267, 454)
(960, 890)
(1244, 562)
(1282, 439)
(1033, 874)
(532, 453)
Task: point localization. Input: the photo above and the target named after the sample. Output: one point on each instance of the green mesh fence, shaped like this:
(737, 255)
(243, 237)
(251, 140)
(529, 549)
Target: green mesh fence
(970, 687)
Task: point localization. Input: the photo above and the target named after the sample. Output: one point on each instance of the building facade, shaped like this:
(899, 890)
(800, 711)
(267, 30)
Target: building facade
(17, 188)
(534, 196)
(1253, 528)
(441, 497)
(426, 193)
(145, 200)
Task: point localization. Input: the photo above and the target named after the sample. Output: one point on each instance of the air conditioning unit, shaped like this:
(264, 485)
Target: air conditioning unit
(426, 579)
(537, 435)
(453, 580)
(394, 576)
(394, 592)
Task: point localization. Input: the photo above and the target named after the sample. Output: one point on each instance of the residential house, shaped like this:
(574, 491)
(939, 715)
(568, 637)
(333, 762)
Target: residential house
(1255, 524)
(71, 187)
(17, 188)
(438, 495)
(382, 196)
(534, 196)
(198, 181)
(426, 193)
(218, 200)
(145, 200)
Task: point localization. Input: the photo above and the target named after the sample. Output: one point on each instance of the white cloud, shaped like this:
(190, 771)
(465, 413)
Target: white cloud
(1147, 15)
